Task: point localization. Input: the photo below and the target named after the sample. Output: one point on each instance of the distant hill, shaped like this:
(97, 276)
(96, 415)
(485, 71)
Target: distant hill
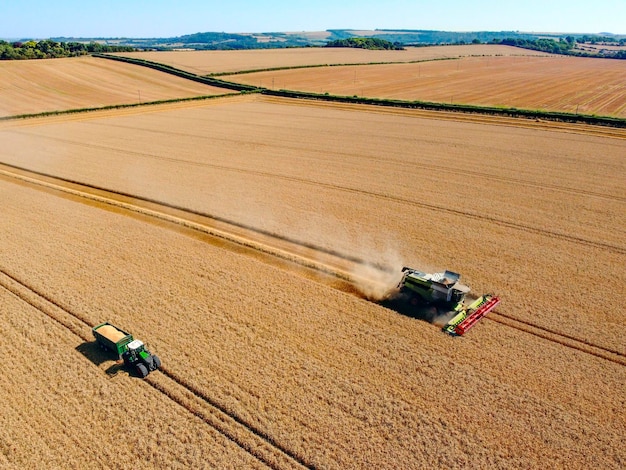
(404, 37)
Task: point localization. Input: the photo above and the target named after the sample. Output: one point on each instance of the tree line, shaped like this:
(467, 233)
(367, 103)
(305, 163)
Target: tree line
(366, 43)
(565, 46)
(48, 49)
(545, 45)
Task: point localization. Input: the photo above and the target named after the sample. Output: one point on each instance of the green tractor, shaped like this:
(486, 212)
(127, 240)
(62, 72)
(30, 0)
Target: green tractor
(138, 357)
(133, 352)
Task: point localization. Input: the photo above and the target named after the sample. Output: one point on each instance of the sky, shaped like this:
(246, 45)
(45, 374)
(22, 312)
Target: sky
(41, 19)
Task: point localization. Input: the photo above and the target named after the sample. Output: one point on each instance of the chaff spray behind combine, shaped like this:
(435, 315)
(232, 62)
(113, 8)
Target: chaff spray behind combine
(445, 290)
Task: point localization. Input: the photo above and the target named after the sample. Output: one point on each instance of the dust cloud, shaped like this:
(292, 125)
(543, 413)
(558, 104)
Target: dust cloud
(378, 281)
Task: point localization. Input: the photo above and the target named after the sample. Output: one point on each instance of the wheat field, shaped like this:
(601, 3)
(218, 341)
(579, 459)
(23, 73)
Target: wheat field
(564, 84)
(36, 86)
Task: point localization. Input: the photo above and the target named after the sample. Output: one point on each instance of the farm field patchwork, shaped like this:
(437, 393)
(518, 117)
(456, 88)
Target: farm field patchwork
(269, 363)
(35, 86)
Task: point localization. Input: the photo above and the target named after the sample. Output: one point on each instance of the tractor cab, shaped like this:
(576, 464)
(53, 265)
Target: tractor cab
(140, 358)
(135, 352)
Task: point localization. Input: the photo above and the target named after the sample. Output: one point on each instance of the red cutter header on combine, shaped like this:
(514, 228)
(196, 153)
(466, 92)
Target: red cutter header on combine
(473, 316)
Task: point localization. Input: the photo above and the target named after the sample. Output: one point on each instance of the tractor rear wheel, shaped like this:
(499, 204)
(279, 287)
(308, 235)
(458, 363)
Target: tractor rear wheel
(142, 370)
(156, 361)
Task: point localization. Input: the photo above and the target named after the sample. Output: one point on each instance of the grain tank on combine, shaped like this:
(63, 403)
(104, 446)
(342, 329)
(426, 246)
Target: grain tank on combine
(444, 290)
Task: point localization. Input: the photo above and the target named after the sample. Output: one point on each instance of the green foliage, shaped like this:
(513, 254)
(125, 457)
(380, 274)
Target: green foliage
(114, 106)
(366, 43)
(272, 40)
(180, 73)
(544, 45)
(565, 46)
(227, 41)
(418, 38)
(602, 40)
(97, 47)
(48, 49)
(209, 41)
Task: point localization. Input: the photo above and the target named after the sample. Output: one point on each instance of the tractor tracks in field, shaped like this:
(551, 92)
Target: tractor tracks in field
(456, 116)
(247, 237)
(330, 267)
(557, 337)
(481, 217)
(395, 162)
(226, 422)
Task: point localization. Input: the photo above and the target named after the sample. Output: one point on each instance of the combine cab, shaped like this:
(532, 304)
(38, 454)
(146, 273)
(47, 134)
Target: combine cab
(445, 291)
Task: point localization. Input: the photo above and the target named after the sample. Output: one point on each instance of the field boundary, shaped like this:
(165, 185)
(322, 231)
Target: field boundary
(427, 105)
(113, 107)
(180, 73)
(314, 66)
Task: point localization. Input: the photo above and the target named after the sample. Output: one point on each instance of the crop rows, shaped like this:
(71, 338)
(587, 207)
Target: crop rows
(396, 198)
(35, 86)
(378, 98)
(529, 83)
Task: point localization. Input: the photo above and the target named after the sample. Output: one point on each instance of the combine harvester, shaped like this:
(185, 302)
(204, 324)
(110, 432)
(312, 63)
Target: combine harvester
(444, 289)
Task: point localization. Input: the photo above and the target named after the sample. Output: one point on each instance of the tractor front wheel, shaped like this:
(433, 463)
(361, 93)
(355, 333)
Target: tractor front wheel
(142, 371)
(156, 361)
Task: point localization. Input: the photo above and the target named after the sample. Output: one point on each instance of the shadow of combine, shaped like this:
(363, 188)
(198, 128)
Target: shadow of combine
(407, 306)
(98, 356)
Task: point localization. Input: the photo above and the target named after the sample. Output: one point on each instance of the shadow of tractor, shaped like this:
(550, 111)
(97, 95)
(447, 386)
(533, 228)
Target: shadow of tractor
(98, 356)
